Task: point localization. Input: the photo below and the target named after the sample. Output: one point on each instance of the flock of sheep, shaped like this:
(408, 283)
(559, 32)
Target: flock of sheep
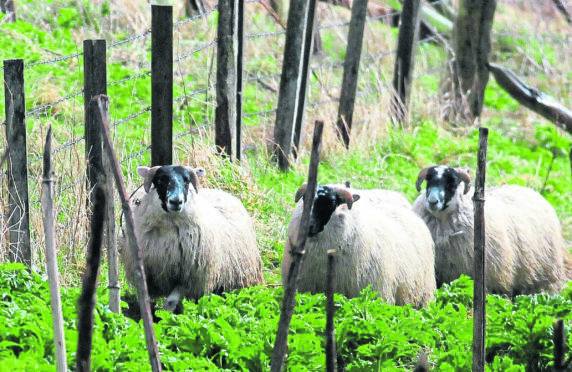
(197, 241)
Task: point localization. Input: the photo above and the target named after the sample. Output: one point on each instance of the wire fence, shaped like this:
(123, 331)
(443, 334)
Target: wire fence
(194, 91)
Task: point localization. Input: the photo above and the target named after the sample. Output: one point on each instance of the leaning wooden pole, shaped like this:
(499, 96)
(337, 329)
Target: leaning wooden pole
(479, 308)
(87, 298)
(297, 253)
(102, 102)
(51, 257)
(330, 312)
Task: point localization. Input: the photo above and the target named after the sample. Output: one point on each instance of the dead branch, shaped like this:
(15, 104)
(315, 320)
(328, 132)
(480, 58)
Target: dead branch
(51, 256)
(102, 103)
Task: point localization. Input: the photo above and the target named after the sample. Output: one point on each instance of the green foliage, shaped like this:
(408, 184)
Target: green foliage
(237, 331)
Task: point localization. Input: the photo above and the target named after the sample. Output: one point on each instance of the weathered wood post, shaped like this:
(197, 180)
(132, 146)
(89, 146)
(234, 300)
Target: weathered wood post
(479, 302)
(304, 69)
(472, 44)
(404, 60)
(330, 312)
(226, 77)
(351, 70)
(239, 70)
(289, 83)
(95, 83)
(161, 85)
(559, 338)
(297, 253)
(52, 257)
(19, 204)
(7, 7)
(87, 298)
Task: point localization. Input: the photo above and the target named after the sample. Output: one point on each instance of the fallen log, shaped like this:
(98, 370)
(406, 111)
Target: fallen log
(532, 98)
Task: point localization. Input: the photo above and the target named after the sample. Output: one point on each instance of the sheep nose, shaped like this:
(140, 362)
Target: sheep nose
(175, 203)
(432, 202)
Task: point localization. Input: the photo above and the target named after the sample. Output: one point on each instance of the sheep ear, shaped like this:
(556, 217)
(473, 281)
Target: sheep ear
(195, 179)
(148, 174)
(199, 171)
(346, 197)
(464, 174)
(300, 192)
(421, 178)
(196, 173)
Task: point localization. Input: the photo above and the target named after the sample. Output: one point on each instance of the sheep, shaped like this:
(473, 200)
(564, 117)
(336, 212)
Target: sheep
(525, 250)
(193, 243)
(384, 245)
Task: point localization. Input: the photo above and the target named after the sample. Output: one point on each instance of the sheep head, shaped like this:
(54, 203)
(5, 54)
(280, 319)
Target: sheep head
(326, 200)
(442, 183)
(171, 183)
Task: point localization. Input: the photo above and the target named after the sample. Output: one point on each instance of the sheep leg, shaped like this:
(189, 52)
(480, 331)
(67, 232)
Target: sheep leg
(173, 299)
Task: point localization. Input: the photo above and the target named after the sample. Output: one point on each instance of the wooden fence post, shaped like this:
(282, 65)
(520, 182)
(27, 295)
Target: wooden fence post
(479, 302)
(7, 7)
(297, 253)
(19, 204)
(404, 60)
(289, 83)
(88, 295)
(95, 83)
(161, 85)
(351, 70)
(226, 77)
(330, 312)
(303, 89)
(239, 69)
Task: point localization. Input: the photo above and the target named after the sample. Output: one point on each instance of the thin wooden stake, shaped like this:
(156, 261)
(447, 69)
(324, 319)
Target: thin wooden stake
(102, 101)
(479, 303)
(51, 257)
(297, 253)
(560, 362)
(87, 297)
(331, 355)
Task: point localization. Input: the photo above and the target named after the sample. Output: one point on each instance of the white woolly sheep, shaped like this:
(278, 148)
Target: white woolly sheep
(384, 245)
(193, 243)
(525, 250)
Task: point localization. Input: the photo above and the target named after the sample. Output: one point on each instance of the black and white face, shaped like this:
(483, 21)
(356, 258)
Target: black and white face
(325, 203)
(442, 186)
(172, 185)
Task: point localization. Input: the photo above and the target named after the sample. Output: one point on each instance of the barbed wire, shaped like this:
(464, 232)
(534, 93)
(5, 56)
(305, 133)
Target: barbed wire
(129, 39)
(194, 93)
(195, 17)
(196, 50)
(130, 117)
(63, 147)
(52, 104)
(133, 77)
(264, 34)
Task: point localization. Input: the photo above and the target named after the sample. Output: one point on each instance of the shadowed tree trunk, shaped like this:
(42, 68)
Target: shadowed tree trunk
(472, 44)
(7, 7)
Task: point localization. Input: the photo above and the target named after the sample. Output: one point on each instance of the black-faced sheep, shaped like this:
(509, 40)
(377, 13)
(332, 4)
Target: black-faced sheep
(193, 242)
(525, 250)
(384, 245)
